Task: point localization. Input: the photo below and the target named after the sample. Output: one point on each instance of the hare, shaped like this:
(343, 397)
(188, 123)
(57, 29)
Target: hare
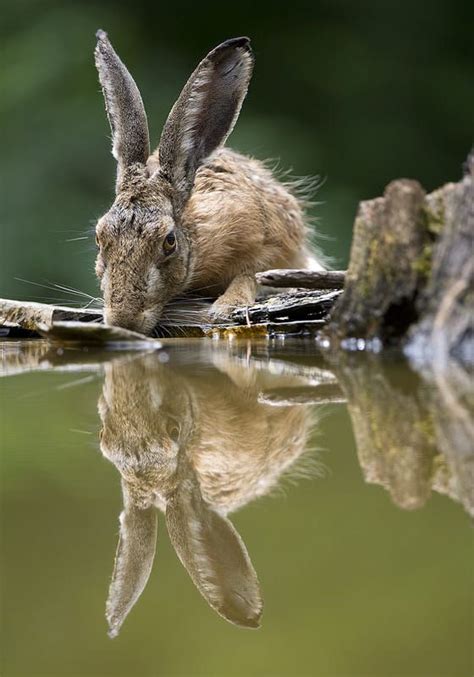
(192, 216)
(196, 448)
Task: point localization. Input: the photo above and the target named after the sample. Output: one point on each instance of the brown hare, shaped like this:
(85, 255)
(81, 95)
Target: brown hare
(197, 445)
(192, 216)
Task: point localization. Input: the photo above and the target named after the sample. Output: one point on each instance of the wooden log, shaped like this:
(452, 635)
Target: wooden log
(95, 334)
(384, 271)
(411, 273)
(444, 330)
(303, 306)
(308, 279)
(265, 330)
(29, 315)
(24, 319)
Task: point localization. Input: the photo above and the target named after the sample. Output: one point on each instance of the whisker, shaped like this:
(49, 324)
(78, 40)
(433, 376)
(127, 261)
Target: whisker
(71, 290)
(63, 288)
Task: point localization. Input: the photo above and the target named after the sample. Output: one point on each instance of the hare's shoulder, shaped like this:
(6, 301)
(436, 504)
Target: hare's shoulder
(227, 169)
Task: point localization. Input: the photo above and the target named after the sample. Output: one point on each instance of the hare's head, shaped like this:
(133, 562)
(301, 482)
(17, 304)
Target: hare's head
(145, 255)
(147, 414)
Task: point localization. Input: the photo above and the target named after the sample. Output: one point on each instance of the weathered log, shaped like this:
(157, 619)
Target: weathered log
(24, 319)
(385, 269)
(307, 279)
(29, 315)
(93, 333)
(411, 271)
(302, 306)
(445, 328)
(265, 330)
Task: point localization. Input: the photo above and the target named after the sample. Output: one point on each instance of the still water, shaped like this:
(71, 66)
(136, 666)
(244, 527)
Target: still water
(237, 508)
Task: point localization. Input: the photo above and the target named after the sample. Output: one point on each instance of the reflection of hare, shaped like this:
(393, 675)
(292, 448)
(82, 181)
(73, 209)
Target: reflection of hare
(197, 447)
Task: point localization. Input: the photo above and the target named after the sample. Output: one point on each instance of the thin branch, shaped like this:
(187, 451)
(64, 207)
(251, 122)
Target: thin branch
(308, 279)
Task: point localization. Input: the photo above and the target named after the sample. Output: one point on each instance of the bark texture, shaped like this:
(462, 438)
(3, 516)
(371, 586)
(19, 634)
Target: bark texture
(306, 279)
(410, 279)
(386, 265)
(29, 316)
(445, 328)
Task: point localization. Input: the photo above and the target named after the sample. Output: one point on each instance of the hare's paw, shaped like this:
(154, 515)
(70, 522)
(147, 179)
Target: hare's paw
(240, 292)
(220, 311)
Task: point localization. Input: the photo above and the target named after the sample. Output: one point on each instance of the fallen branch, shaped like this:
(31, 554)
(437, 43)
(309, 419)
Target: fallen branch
(300, 306)
(30, 315)
(307, 279)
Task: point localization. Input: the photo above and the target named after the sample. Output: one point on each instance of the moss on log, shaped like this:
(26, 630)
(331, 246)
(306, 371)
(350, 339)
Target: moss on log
(445, 306)
(387, 265)
(411, 272)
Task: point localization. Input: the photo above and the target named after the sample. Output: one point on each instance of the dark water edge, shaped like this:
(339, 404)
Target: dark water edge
(337, 495)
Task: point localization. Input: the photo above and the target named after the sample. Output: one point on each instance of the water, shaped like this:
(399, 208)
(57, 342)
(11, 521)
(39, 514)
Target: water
(335, 494)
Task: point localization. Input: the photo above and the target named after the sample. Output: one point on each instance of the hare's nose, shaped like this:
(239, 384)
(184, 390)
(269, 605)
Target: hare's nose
(123, 318)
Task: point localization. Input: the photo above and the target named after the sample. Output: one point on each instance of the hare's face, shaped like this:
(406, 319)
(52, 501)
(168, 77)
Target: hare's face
(143, 256)
(146, 419)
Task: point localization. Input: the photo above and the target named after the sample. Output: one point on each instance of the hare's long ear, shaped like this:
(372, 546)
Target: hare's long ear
(214, 556)
(124, 106)
(205, 112)
(133, 561)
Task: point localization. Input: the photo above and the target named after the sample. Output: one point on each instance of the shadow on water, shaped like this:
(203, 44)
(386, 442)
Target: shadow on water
(200, 429)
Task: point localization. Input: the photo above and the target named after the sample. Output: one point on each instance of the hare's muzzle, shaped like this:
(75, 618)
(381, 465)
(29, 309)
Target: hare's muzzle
(142, 322)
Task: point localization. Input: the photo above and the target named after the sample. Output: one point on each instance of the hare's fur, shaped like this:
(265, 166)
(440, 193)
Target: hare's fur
(227, 215)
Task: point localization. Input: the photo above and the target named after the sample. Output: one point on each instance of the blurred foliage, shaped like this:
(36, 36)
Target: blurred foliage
(357, 92)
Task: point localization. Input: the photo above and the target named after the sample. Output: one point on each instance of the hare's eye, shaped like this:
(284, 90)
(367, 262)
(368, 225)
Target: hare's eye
(169, 243)
(173, 430)
(174, 433)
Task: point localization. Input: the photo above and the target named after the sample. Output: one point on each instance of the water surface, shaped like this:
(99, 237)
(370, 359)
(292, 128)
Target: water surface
(280, 514)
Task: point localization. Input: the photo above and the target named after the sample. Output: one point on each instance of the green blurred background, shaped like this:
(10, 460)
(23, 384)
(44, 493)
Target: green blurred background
(357, 92)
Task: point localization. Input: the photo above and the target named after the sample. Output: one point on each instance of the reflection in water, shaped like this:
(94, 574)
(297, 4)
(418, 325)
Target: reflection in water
(203, 428)
(413, 434)
(197, 445)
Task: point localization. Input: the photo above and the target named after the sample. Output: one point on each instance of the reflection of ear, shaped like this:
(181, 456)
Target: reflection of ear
(133, 561)
(214, 556)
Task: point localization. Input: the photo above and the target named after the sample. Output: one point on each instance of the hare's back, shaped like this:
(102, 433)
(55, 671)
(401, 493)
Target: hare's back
(242, 219)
